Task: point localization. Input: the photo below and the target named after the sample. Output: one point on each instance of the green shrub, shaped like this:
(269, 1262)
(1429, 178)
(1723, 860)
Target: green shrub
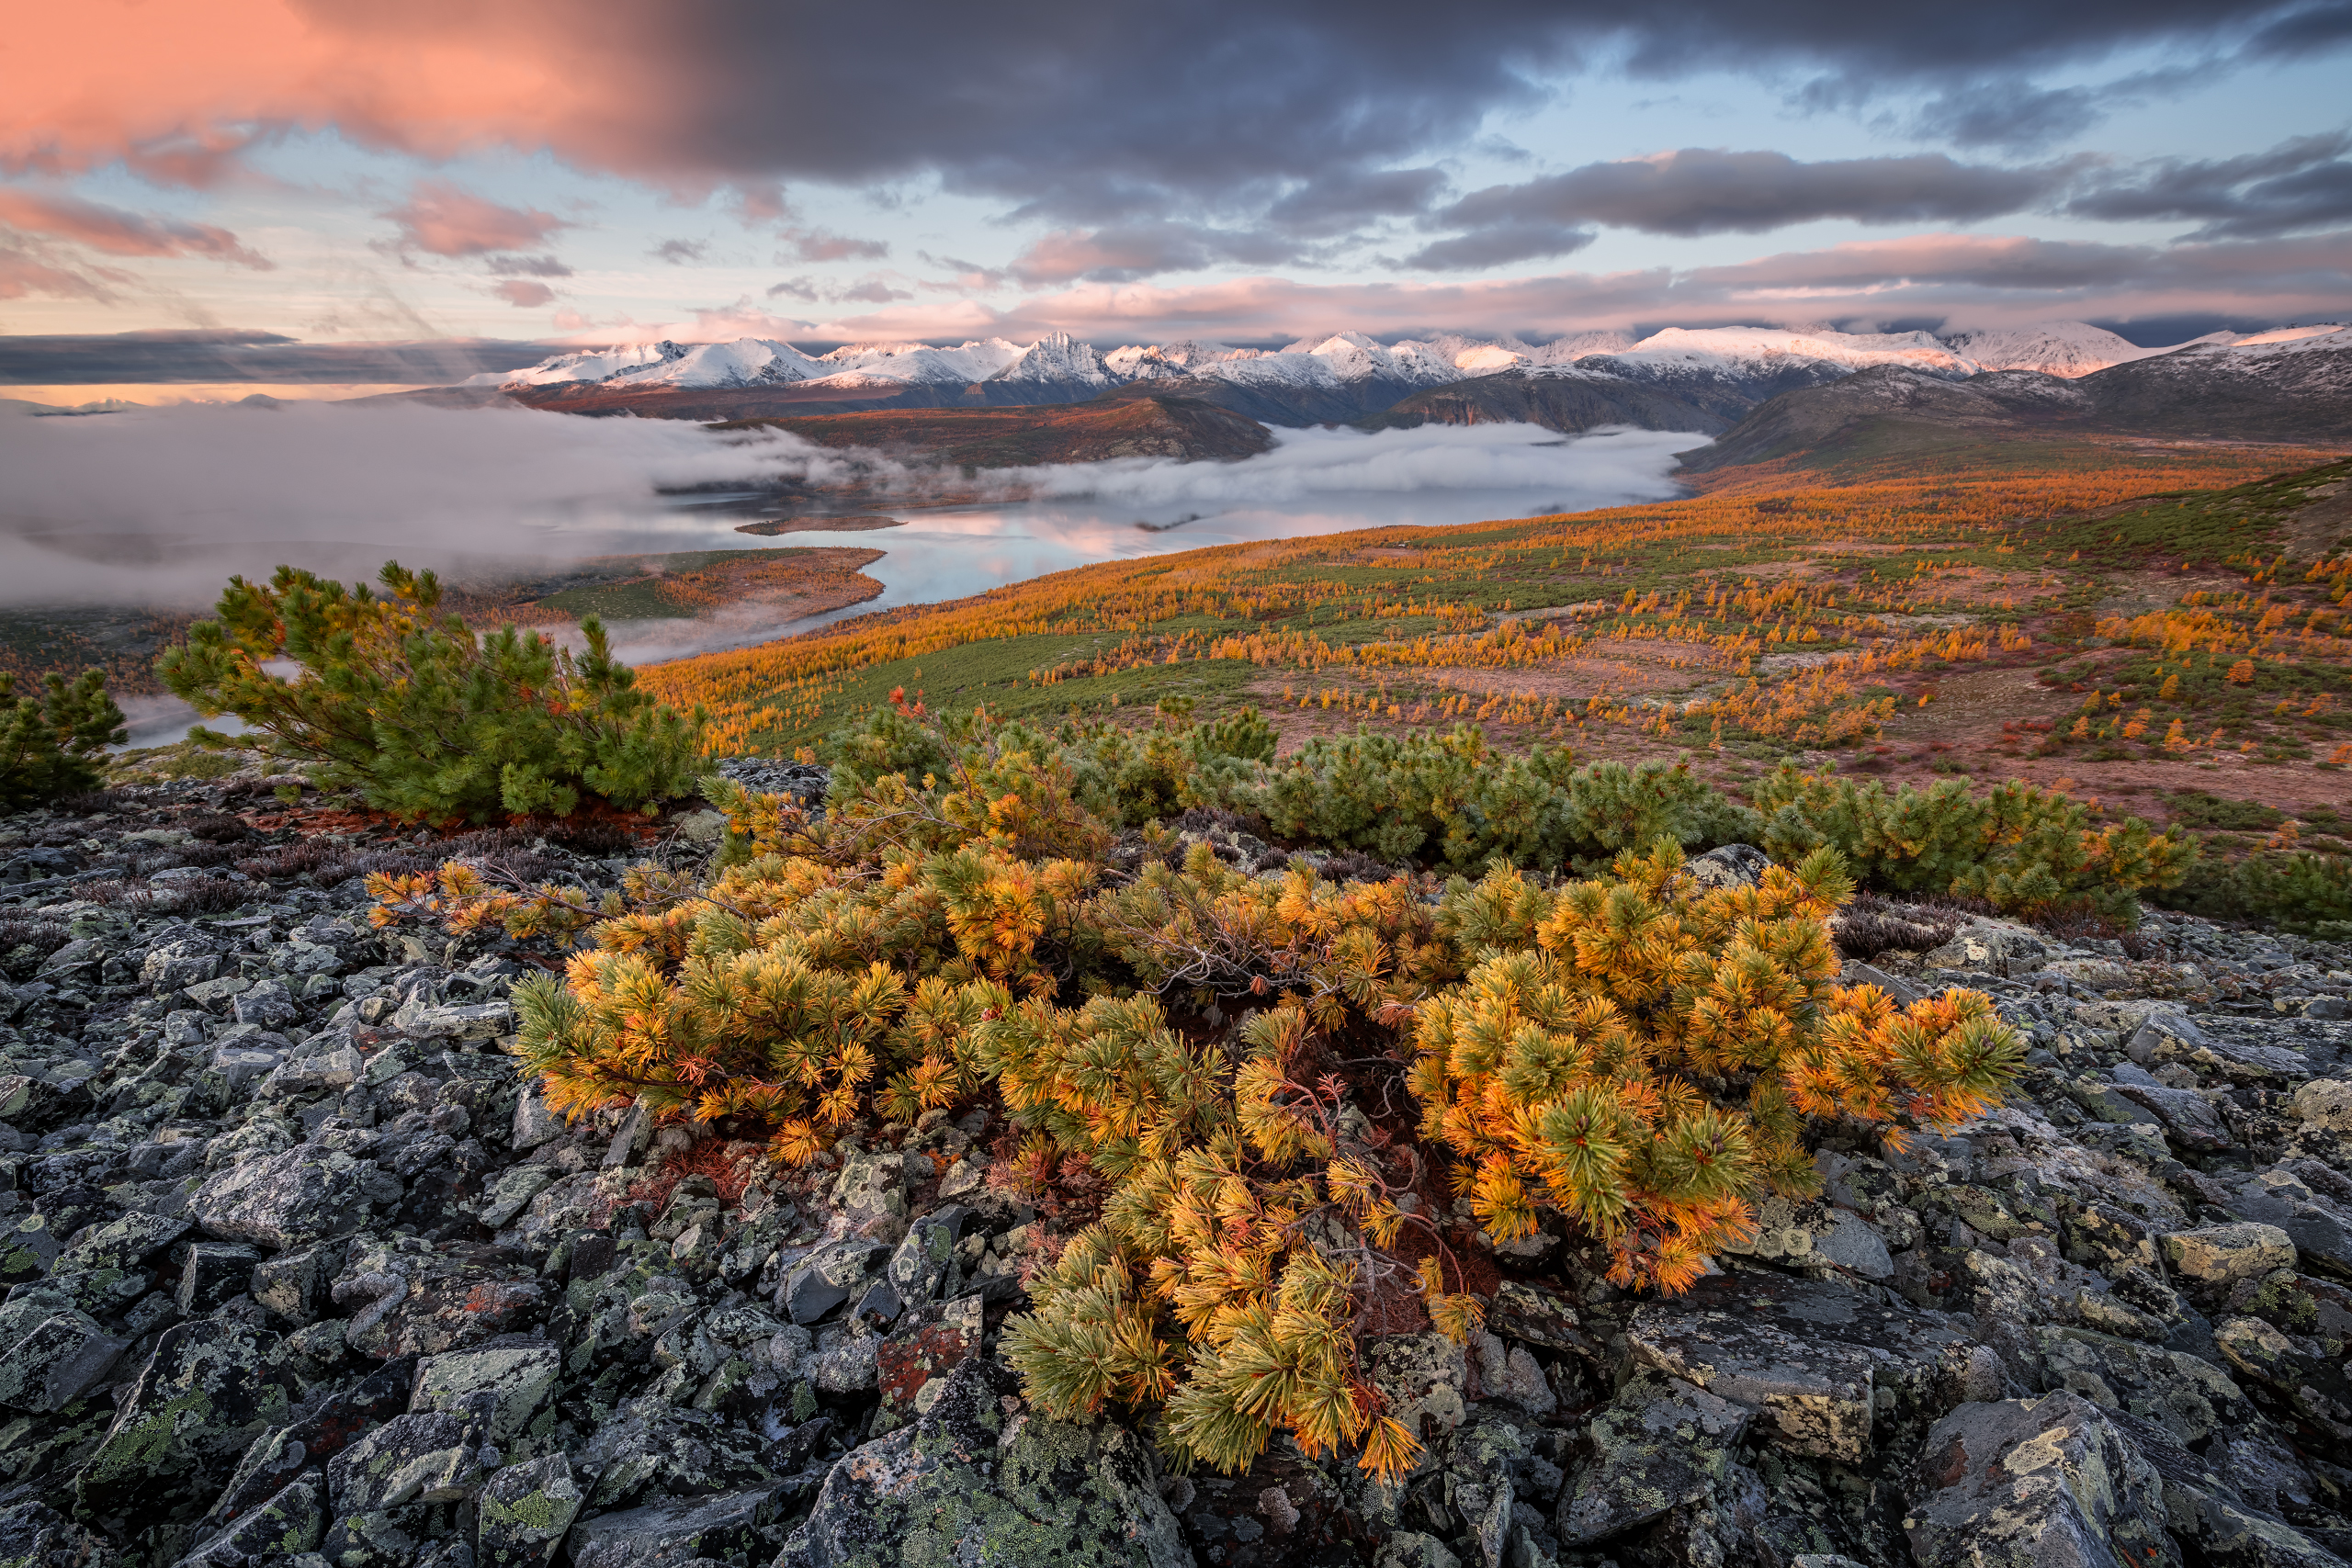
(50, 745)
(2304, 891)
(420, 715)
(2018, 847)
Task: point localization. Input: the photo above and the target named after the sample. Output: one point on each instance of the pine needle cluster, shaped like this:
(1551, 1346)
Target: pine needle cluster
(421, 717)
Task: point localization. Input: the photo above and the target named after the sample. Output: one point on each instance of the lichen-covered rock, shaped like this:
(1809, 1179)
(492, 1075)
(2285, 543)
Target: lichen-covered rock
(213, 1272)
(729, 1527)
(286, 1524)
(27, 1249)
(524, 1512)
(2047, 1483)
(982, 1481)
(1660, 1445)
(304, 1195)
(206, 1392)
(912, 1365)
(1411, 1549)
(1509, 1373)
(295, 1284)
(423, 1457)
(518, 1380)
(2217, 1255)
(34, 1535)
(1812, 1357)
(2186, 1396)
(871, 1196)
(826, 1277)
(650, 1446)
(281, 1453)
(50, 1351)
(1421, 1379)
(1487, 1463)
(2319, 1227)
(2316, 1387)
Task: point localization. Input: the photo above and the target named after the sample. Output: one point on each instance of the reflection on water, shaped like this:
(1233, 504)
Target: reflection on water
(1314, 482)
(1344, 480)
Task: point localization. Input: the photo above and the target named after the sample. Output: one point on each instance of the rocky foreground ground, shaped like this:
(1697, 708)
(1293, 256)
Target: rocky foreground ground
(298, 1269)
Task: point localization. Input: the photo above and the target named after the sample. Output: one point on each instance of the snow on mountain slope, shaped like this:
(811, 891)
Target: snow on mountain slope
(2289, 339)
(1747, 350)
(746, 362)
(1058, 360)
(925, 366)
(1577, 345)
(2054, 349)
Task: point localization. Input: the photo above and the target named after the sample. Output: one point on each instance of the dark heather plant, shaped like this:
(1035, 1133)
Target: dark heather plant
(1637, 1053)
(50, 743)
(420, 715)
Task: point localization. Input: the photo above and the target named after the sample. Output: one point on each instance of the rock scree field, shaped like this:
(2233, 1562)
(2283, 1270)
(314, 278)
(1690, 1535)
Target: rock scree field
(1808, 1024)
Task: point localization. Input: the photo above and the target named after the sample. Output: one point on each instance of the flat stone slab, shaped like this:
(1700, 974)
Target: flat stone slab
(1811, 1358)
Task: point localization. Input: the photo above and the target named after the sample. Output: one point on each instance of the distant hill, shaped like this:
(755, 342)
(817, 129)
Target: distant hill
(2292, 385)
(1143, 421)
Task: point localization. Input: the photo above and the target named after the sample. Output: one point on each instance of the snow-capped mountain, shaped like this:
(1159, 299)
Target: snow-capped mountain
(2054, 349)
(1056, 360)
(746, 362)
(1706, 376)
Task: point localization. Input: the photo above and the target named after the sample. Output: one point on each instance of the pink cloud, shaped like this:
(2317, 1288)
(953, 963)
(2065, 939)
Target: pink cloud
(524, 292)
(29, 270)
(446, 219)
(118, 232)
(1991, 279)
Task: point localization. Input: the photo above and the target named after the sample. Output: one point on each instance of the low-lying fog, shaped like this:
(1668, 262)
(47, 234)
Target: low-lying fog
(160, 506)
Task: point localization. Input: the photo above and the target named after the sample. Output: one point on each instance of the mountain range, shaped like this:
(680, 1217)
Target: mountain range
(1701, 379)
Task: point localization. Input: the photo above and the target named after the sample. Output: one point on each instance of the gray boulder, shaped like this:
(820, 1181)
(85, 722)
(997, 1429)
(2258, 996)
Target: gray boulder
(1822, 1365)
(304, 1195)
(50, 1352)
(984, 1482)
(675, 1531)
(1662, 1444)
(524, 1512)
(2047, 1483)
(204, 1395)
(2186, 1398)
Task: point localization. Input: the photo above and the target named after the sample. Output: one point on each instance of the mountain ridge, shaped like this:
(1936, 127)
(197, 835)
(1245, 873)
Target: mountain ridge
(1706, 378)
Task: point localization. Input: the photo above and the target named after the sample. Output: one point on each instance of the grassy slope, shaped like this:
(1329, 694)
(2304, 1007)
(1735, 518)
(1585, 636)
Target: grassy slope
(1887, 550)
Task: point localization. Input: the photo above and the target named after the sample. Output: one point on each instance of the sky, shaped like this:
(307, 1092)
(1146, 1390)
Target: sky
(204, 195)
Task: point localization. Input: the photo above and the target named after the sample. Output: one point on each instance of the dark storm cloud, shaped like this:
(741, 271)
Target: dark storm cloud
(1703, 191)
(1343, 200)
(1095, 117)
(2298, 184)
(1084, 114)
(90, 358)
(527, 266)
(1500, 243)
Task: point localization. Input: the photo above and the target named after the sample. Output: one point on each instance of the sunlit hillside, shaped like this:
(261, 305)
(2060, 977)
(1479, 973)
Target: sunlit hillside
(1917, 621)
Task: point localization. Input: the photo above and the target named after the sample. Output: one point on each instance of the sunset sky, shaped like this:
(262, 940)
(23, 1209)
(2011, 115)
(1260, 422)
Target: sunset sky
(335, 174)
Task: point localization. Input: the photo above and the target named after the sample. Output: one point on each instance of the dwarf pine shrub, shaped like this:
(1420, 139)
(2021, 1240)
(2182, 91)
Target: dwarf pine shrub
(2018, 847)
(421, 717)
(1632, 1053)
(50, 743)
(2302, 891)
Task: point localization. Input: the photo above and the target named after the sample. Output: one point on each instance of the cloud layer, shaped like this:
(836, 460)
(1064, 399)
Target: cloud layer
(1298, 112)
